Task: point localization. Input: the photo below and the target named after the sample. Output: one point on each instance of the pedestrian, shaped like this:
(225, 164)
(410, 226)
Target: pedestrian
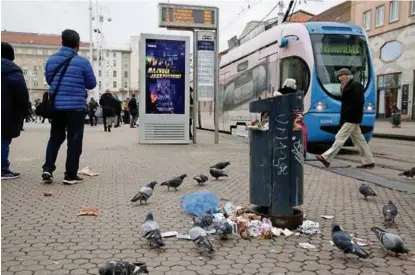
(191, 113)
(395, 116)
(133, 108)
(68, 119)
(117, 110)
(14, 103)
(353, 99)
(92, 108)
(107, 103)
(126, 117)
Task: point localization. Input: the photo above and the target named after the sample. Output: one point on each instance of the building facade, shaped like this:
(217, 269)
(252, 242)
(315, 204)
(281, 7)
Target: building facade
(32, 51)
(340, 13)
(390, 27)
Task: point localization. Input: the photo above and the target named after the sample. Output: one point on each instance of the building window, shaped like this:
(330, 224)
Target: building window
(242, 66)
(25, 71)
(366, 20)
(126, 65)
(114, 55)
(114, 84)
(114, 73)
(99, 85)
(99, 73)
(391, 51)
(45, 85)
(413, 7)
(380, 16)
(35, 71)
(35, 83)
(389, 93)
(114, 63)
(295, 67)
(107, 73)
(107, 54)
(125, 74)
(394, 11)
(126, 85)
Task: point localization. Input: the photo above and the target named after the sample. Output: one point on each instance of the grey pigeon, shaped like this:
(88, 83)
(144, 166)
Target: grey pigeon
(145, 193)
(199, 237)
(223, 229)
(408, 173)
(389, 212)
(366, 191)
(345, 243)
(221, 165)
(205, 221)
(174, 182)
(122, 268)
(151, 231)
(201, 179)
(390, 241)
(216, 173)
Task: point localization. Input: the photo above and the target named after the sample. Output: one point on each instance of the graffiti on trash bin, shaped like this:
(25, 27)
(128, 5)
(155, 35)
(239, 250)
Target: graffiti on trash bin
(298, 151)
(281, 135)
(281, 165)
(281, 132)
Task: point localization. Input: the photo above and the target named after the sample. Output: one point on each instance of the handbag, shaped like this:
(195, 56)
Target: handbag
(46, 108)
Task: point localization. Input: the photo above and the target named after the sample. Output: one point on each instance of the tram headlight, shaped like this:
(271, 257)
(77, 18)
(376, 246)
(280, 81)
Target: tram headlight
(370, 107)
(320, 106)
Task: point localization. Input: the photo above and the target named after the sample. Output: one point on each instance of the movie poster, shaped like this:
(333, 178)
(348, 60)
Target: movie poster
(165, 76)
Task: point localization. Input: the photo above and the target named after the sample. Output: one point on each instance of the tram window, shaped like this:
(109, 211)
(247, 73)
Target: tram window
(242, 66)
(296, 68)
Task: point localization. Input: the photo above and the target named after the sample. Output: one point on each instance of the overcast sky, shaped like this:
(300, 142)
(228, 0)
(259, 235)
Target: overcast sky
(135, 16)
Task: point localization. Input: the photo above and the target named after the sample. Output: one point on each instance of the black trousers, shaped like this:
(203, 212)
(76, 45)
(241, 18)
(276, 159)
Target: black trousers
(91, 119)
(70, 125)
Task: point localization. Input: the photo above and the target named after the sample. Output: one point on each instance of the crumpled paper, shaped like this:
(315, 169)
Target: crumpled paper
(278, 231)
(309, 227)
(87, 171)
(307, 245)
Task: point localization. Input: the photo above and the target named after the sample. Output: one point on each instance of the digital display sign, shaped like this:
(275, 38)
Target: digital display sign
(183, 16)
(165, 76)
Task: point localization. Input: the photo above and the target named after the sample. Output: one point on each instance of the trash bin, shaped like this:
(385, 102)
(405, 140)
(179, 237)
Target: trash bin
(277, 158)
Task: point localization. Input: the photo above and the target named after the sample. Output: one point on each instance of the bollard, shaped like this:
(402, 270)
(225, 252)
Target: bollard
(276, 161)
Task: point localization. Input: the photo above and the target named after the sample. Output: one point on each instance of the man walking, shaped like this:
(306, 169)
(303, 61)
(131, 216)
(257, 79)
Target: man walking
(92, 108)
(70, 105)
(14, 106)
(107, 102)
(353, 99)
(133, 108)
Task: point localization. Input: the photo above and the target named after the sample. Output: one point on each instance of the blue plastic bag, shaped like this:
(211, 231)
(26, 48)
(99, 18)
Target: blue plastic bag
(196, 204)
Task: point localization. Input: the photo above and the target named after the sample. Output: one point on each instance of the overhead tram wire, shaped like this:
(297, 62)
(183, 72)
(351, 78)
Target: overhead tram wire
(240, 14)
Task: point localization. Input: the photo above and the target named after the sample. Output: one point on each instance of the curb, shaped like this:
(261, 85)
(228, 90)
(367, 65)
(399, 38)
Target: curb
(391, 136)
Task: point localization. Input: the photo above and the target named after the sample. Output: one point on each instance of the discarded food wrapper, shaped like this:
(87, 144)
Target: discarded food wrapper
(327, 217)
(88, 211)
(87, 171)
(309, 227)
(287, 232)
(183, 236)
(47, 194)
(218, 217)
(229, 209)
(169, 234)
(307, 245)
(362, 242)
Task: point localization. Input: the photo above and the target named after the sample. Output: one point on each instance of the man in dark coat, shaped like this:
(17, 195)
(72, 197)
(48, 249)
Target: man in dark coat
(14, 106)
(353, 100)
(117, 111)
(133, 108)
(107, 102)
(92, 108)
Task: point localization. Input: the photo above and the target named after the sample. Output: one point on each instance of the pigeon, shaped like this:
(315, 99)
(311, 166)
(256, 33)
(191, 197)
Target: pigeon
(389, 212)
(201, 179)
(344, 242)
(408, 173)
(122, 268)
(151, 231)
(366, 191)
(390, 242)
(223, 229)
(145, 193)
(221, 165)
(216, 173)
(205, 221)
(199, 237)
(174, 182)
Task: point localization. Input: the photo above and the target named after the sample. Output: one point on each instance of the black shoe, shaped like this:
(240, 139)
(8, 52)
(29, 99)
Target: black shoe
(9, 175)
(109, 129)
(105, 129)
(47, 177)
(69, 181)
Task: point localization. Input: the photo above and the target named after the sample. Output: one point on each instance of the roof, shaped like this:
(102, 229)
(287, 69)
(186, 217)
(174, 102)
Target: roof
(303, 11)
(28, 38)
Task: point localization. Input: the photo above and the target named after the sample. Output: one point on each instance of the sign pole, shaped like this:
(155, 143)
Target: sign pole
(216, 109)
(194, 110)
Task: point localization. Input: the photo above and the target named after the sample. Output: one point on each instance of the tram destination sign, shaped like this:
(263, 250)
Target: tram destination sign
(184, 16)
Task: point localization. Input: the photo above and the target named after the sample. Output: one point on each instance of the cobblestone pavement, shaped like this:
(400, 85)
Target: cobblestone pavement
(44, 235)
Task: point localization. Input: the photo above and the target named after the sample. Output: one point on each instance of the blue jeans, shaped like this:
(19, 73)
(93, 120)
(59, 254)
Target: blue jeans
(70, 125)
(5, 149)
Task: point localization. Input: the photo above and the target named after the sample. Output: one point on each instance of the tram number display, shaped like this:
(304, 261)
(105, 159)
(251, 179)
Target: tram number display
(187, 16)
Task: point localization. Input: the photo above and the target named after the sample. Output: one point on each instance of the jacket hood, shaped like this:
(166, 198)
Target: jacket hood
(9, 67)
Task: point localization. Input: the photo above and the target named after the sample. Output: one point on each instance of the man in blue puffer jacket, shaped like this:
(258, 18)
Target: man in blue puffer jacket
(70, 106)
